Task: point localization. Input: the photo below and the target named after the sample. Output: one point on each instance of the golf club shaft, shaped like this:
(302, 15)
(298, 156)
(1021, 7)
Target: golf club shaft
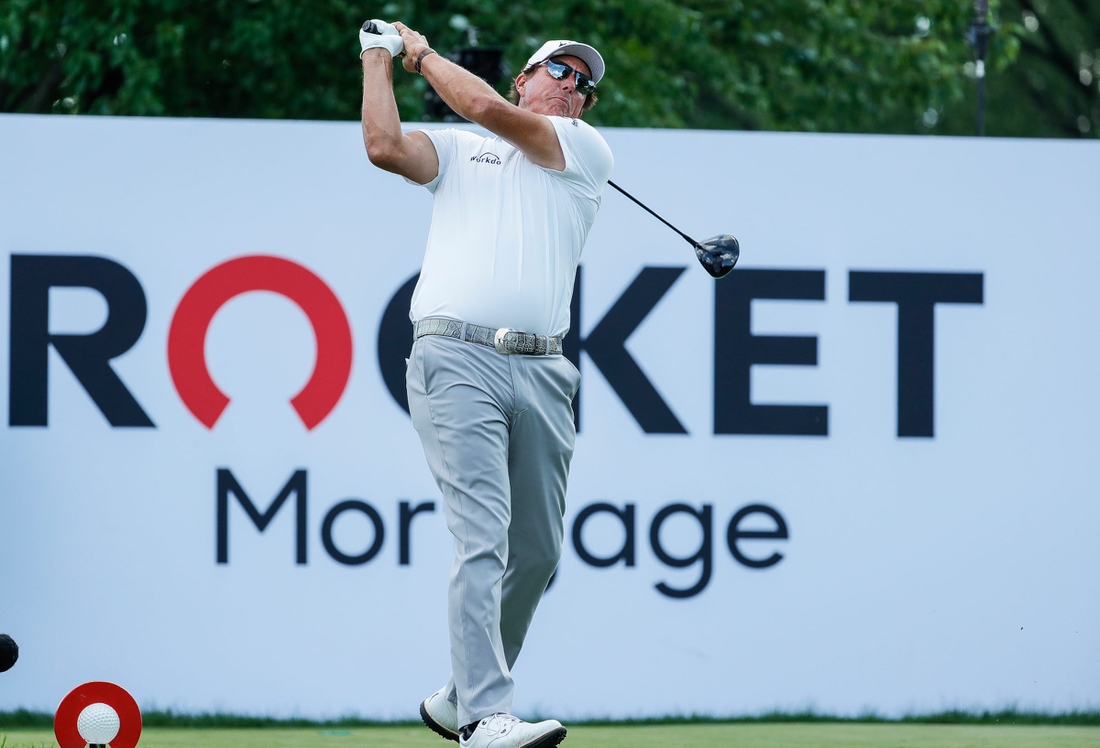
(644, 207)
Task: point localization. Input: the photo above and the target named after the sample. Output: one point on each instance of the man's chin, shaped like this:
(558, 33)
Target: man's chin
(553, 109)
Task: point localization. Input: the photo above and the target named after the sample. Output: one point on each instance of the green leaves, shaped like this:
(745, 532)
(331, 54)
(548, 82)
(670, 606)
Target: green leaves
(826, 65)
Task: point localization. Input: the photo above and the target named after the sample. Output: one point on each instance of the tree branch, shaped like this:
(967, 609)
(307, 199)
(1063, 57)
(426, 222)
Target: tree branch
(1051, 106)
(49, 83)
(1086, 9)
(1057, 54)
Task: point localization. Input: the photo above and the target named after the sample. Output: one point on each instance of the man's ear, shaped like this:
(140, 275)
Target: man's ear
(521, 83)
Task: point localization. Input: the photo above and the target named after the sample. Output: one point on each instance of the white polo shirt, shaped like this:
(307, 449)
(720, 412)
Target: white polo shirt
(507, 235)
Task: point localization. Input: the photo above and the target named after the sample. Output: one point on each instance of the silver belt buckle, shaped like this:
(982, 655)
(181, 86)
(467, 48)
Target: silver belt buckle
(498, 340)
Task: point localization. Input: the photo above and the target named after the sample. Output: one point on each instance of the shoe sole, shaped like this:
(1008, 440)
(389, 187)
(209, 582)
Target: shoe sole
(442, 731)
(549, 740)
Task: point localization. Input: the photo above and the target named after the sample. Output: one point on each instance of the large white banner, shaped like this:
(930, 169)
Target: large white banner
(858, 473)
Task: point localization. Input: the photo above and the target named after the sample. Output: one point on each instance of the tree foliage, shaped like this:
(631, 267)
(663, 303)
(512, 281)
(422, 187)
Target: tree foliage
(824, 65)
(1053, 89)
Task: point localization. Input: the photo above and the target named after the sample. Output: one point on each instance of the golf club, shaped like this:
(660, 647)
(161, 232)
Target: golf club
(717, 255)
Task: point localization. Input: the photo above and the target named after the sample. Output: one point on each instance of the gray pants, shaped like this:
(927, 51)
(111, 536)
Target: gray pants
(498, 434)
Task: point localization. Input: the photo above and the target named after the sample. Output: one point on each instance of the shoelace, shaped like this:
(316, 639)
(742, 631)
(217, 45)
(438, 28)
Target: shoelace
(499, 724)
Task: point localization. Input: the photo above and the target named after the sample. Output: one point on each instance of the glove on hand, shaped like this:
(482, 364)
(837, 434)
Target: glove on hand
(387, 38)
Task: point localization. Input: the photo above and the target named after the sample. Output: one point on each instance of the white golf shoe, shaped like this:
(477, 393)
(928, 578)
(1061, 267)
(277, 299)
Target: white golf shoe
(506, 731)
(440, 715)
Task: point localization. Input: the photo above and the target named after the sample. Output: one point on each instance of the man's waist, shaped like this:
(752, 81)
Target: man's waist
(478, 291)
(505, 340)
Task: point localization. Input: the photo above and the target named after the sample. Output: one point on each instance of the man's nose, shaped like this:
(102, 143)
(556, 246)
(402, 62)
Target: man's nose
(569, 82)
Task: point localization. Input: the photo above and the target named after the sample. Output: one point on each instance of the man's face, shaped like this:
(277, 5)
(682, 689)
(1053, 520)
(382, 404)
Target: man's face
(541, 93)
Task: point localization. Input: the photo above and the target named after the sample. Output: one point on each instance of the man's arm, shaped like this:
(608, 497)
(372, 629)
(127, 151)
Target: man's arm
(411, 155)
(474, 99)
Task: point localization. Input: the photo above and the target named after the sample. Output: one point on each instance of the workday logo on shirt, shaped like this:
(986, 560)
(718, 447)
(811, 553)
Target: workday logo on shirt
(486, 158)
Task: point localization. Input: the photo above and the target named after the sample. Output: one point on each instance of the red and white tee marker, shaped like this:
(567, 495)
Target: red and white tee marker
(97, 713)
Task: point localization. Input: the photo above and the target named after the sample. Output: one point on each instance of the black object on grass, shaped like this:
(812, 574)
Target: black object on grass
(9, 652)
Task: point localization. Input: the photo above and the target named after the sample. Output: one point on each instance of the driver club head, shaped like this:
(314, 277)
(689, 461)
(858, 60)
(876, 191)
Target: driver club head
(718, 254)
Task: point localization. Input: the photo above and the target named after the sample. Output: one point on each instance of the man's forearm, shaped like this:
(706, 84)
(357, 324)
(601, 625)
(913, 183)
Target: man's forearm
(381, 121)
(468, 95)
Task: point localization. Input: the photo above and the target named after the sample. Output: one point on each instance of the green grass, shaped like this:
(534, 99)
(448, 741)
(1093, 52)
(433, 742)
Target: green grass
(22, 719)
(743, 734)
(954, 729)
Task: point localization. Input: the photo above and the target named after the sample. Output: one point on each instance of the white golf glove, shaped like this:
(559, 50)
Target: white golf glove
(387, 38)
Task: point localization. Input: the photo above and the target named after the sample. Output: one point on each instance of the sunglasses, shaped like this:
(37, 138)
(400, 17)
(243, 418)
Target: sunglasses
(560, 71)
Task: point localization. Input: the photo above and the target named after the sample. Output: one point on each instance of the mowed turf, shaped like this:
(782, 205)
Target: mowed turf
(623, 736)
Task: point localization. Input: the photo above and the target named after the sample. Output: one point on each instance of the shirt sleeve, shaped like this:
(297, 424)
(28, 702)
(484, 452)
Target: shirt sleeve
(445, 146)
(588, 159)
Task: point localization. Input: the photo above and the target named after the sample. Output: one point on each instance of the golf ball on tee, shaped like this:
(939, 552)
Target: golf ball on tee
(98, 724)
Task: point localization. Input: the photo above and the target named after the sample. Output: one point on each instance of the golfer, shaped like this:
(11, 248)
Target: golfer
(489, 390)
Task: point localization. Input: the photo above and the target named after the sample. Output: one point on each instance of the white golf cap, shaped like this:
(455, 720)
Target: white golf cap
(558, 47)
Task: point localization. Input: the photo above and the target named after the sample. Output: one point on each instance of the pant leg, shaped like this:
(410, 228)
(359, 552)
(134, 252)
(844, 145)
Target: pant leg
(540, 449)
(460, 396)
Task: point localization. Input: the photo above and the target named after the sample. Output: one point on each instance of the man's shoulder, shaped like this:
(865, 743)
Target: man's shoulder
(472, 142)
(576, 123)
(454, 136)
(583, 144)
(583, 135)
